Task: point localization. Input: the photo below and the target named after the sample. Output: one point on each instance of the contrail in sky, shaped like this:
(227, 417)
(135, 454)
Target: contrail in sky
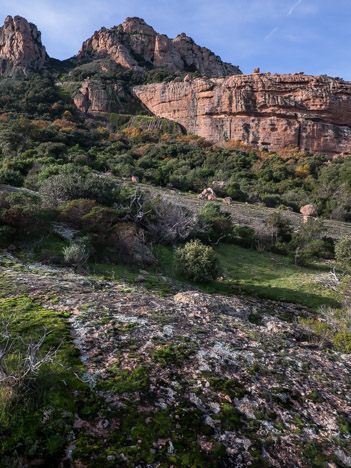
(294, 6)
(271, 33)
(277, 27)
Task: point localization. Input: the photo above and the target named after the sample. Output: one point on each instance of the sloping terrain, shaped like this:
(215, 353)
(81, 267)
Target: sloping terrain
(188, 379)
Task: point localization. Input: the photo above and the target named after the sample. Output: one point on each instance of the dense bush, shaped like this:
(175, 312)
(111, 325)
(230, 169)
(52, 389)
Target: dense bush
(11, 177)
(343, 252)
(25, 215)
(74, 211)
(168, 223)
(243, 236)
(215, 224)
(196, 262)
(280, 227)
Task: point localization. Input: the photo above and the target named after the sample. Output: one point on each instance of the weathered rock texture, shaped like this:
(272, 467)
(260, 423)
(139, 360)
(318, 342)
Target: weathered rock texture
(96, 97)
(136, 45)
(21, 50)
(276, 111)
(189, 374)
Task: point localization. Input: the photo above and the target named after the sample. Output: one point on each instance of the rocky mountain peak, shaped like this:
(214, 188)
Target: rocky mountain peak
(136, 45)
(134, 22)
(21, 50)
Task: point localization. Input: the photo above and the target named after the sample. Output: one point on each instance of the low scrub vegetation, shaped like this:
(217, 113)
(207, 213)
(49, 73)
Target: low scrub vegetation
(196, 262)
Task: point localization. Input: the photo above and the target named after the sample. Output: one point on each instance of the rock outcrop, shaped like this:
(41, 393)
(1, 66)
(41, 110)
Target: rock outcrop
(96, 97)
(21, 50)
(207, 194)
(312, 113)
(137, 46)
(229, 379)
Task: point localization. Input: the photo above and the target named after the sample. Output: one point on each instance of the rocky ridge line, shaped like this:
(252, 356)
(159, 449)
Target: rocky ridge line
(137, 46)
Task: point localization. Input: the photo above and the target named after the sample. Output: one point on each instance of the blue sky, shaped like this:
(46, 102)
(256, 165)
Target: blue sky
(280, 36)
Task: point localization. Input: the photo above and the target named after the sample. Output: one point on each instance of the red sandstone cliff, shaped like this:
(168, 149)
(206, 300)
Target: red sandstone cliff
(277, 111)
(21, 50)
(136, 45)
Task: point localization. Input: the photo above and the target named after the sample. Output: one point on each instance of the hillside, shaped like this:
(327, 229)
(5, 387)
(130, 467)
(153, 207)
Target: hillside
(177, 378)
(175, 258)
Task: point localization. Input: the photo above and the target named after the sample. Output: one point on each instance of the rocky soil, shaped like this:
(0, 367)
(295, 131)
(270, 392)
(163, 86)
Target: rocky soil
(191, 379)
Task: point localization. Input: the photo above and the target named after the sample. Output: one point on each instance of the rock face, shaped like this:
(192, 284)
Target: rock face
(95, 97)
(312, 113)
(21, 50)
(136, 45)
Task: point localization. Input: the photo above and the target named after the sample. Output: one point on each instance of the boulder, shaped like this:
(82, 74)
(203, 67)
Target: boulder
(227, 200)
(208, 194)
(308, 212)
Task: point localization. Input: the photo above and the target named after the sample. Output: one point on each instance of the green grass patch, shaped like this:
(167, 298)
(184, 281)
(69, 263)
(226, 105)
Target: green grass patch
(36, 418)
(263, 275)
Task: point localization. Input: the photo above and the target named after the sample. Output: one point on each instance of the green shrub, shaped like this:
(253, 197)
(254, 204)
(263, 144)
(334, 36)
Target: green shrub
(243, 236)
(233, 190)
(271, 200)
(215, 223)
(343, 252)
(74, 211)
(75, 254)
(280, 248)
(11, 177)
(302, 257)
(322, 248)
(28, 220)
(196, 262)
(6, 235)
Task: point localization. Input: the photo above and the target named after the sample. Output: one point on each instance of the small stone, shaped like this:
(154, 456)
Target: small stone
(140, 279)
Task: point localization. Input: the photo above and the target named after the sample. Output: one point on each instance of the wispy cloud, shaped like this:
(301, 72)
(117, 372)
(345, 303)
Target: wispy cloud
(271, 33)
(294, 6)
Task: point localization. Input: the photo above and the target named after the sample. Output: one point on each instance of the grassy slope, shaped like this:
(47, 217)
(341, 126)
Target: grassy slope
(246, 271)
